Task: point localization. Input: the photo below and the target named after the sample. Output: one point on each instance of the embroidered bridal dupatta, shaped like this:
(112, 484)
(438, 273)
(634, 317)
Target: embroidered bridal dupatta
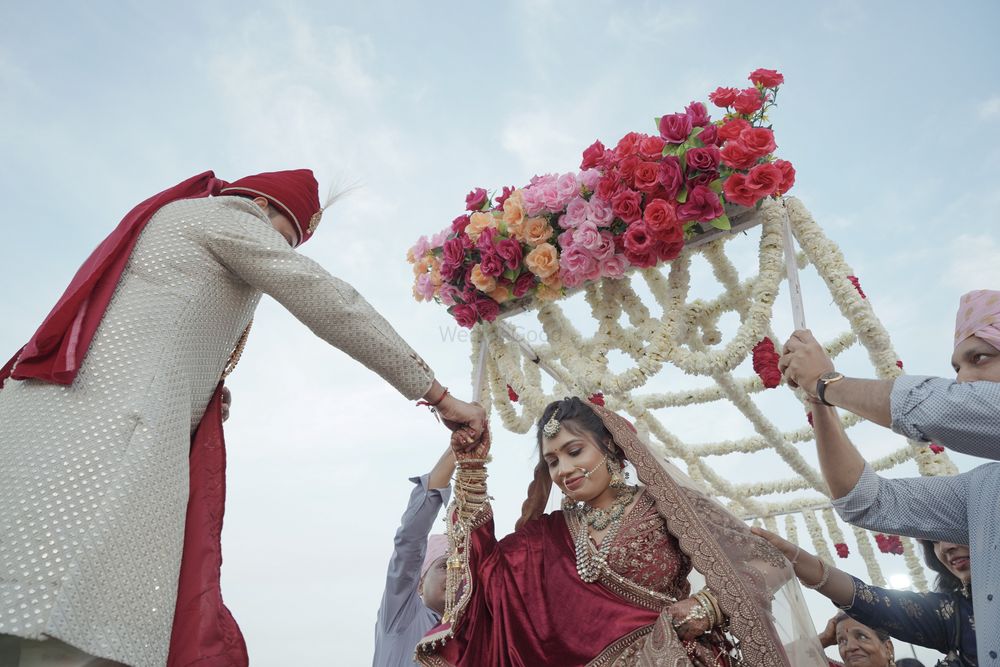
(519, 602)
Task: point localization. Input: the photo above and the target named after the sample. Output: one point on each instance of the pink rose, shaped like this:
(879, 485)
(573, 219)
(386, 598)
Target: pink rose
(737, 191)
(605, 247)
(491, 264)
(485, 242)
(465, 314)
(710, 135)
(586, 235)
(736, 155)
(671, 176)
(453, 251)
(698, 114)
(449, 294)
(576, 260)
(509, 251)
(476, 200)
(703, 159)
(524, 284)
(675, 128)
(732, 129)
(787, 176)
(613, 266)
(576, 213)
(651, 147)
(565, 239)
(628, 145)
(765, 179)
(627, 205)
(424, 287)
(768, 78)
(420, 248)
(593, 155)
(723, 97)
(758, 140)
(589, 178)
(600, 211)
(647, 175)
(567, 187)
(702, 204)
(488, 309)
(748, 101)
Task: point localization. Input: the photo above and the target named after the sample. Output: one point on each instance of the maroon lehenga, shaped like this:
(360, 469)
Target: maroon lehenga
(520, 602)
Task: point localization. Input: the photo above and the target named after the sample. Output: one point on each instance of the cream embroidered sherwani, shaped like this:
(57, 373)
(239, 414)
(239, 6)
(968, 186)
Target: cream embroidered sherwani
(94, 476)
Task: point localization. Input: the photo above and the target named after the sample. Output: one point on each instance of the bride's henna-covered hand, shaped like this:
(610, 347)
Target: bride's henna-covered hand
(693, 627)
(477, 451)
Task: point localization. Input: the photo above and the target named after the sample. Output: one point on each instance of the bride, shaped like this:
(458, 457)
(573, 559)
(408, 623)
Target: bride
(605, 581)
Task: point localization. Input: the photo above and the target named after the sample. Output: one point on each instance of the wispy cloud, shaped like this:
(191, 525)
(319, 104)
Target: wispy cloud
(990, 108)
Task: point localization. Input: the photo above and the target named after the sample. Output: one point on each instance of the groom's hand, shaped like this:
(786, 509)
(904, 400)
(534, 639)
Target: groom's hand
(457, 413)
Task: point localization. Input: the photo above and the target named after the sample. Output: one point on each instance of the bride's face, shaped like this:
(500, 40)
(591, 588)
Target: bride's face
(569, 456)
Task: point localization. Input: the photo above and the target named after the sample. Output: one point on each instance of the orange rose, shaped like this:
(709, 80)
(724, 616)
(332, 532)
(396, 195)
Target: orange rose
(536, 231)
(482, 282)
(543, 261)
(422, 266)
(500, 294)
(478, 222)
(513, 210)
(553, 281)
(436, 278)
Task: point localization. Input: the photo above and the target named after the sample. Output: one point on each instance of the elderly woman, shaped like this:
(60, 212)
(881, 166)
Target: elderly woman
(859, 645)
(604, 581)
(941, 620)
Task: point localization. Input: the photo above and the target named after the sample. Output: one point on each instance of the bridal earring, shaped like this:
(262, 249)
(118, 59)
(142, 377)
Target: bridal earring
(618, 480)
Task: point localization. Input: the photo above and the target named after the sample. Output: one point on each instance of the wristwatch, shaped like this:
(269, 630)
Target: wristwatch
(825, 379)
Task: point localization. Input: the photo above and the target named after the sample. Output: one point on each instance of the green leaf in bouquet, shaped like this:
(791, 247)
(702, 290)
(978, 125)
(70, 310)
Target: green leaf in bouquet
(502, 227)
(511, 274)
(670, 149)
(716, 186)
(682, 196)
(722, 222)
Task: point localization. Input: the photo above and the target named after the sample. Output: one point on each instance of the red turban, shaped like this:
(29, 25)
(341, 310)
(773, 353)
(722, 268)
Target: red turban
(295, 193)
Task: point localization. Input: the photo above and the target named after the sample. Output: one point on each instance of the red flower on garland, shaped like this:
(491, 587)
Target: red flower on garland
(889, 544)
(937, 449)
(765, 363)
(511, 394)
(842, 550)
(809, 418)
(597, 399)
(857, 285)
(899, 362)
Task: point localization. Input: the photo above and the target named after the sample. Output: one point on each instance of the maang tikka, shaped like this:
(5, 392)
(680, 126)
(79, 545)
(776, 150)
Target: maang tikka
(552, 426)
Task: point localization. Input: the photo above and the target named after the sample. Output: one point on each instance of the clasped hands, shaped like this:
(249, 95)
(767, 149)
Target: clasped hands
(803, 360)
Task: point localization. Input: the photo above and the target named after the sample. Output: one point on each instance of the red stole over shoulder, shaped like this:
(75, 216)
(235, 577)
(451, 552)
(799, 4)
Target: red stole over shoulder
(204, 632)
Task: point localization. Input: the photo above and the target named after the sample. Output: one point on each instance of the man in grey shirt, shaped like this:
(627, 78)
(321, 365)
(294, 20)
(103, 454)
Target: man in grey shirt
(963, 415)
(413, 600)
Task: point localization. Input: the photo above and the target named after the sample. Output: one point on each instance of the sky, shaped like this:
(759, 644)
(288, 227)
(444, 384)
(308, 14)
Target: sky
(890, 113)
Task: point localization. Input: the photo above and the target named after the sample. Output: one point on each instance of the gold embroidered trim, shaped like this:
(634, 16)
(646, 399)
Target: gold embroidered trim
(617, 647)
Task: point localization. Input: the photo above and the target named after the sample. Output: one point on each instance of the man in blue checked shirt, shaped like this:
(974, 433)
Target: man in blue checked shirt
(962, 414)
(413, 600)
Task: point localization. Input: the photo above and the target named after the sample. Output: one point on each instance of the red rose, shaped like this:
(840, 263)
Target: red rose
(465, 314)
(485, 240)
(857, 285)
(758, 140)
(842, 550)
(899, 362)
(638, 239)
(511, 394)
(704, 178)
(453, 251)
(597, 399)
(491, 264)
(698, 114)
(593, 155)
(736, 155)
(768, 78)
(667, 250)
(809, 418)
(628, 145)
(627, 205)
(675, 128)
(748, 101)
(488, 309)
(937, 449)
(737, 191)
(723, 97)
(732, 129)
(459, 224)
(710, 135)
(627, 167)
(661, 219)
(702, 204)
(765, 179)
(651, 147)
(787, 175)
(647, 176)
(524, 284)
(765, 363)
(609, 186)
(475, 200)
(703, 159)
(508, 190)
(509, 251)
(671, 175)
